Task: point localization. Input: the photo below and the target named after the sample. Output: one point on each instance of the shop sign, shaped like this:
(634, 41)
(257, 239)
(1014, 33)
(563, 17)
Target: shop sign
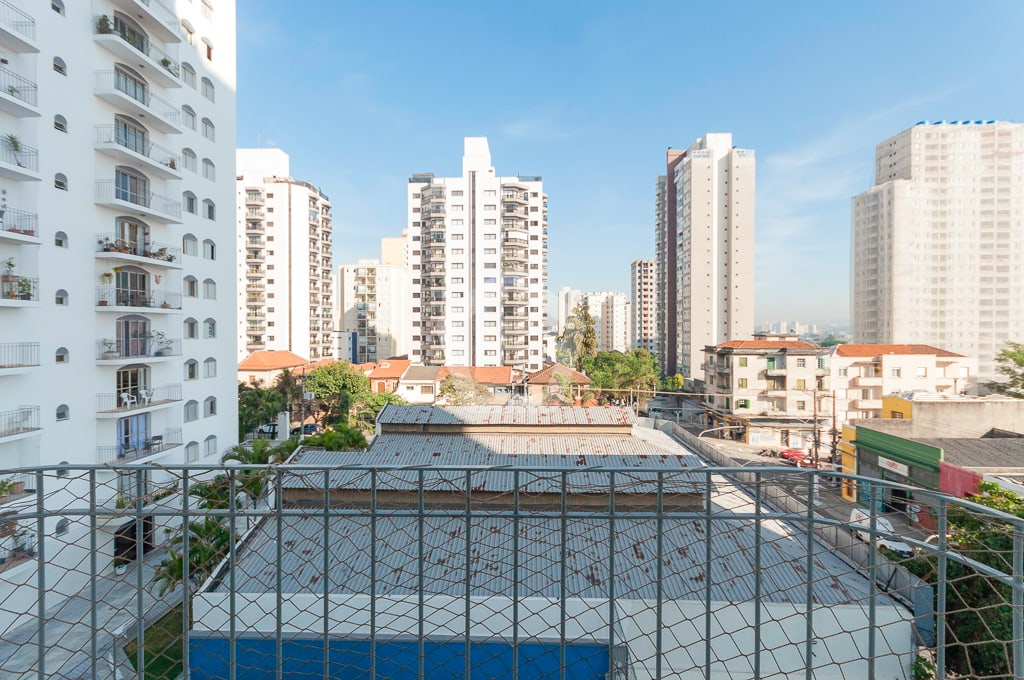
(893, 466)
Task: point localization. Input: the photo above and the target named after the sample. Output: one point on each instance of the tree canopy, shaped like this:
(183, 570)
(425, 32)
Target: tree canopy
(462, 390)
(636, 370)
(338, 388)
(1010, 362)
(579, 339)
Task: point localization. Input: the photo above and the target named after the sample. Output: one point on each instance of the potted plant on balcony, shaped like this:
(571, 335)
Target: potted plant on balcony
(25, 288)
(106, 245)
(161, 343)
(8, 275)
(166, 63)
(103, 24)
(120, 565)
(13, 143)
(109, 348)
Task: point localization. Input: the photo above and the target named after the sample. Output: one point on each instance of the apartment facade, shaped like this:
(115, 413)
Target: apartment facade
(478, 259)
(862, 374)
(117, 297)
(705, 208)
(665, 243)
(643, 276)
(374, 320)
(614, 324)
(285, 270)
(937, 241)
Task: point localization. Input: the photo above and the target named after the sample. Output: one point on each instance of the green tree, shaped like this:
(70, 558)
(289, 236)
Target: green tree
(1011, 365)
(208, 543)
(637, 371)
(289, 386)
(257, 405)
(366, 413)
(579, 339)
(340, 389)
(979, 619)
(340, 438)
(462, 390)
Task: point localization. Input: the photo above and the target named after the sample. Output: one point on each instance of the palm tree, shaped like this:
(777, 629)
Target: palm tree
(261, 452)
(208, 543)
(580, 336)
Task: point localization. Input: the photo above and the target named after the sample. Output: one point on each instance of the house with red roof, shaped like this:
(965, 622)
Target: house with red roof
(264, 366)
(555, 384)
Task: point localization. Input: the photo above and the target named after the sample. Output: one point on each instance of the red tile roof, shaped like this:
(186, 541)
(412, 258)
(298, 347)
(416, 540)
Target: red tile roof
(852, 350)
(546, 376)
(485, 375)
(270, 360)
(390, 368)
(765, 344)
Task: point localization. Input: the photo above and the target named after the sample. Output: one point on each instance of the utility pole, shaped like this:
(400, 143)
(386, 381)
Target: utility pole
(835, 433)
(816, 437)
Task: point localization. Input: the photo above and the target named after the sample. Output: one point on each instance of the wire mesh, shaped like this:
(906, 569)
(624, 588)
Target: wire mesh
(327, 571)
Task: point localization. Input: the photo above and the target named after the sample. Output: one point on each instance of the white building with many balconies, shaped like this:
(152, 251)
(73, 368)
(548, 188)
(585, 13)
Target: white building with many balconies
(643, 276)
(117, 295)
(285, 279)
(478, 260)
(373, 312)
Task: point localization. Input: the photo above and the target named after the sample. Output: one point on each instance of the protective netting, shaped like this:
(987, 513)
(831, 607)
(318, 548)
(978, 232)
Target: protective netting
(328, 571)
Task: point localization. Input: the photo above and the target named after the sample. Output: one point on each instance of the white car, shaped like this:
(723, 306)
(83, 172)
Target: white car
(860, 524)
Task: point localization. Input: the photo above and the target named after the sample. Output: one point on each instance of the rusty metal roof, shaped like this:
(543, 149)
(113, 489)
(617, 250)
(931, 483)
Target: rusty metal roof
(506, 415)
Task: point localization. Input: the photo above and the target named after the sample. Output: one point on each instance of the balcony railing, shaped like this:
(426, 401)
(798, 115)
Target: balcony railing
(154, 250)
(19, 354)
(19, 221)
(145, 446)
(125, 348)
(13, 287)
(138, 145)
(103, 25)
(16, 20)
(18, 421)
(17, 86)
(22, 155)
(107, 190)
(137, 398)
(124, 297)
(160, 107)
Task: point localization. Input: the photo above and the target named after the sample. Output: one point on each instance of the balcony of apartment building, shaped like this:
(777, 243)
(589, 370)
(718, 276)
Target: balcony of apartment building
(255, 284)
(432, 194)
(515, 298)
(131, 94)
(254, 197)
(129, 192)
(254, 341)
(775, 388)
(433, 342)
(156, 15)
(515, 313)
(136, 396)
(513, 210)
(18, 291)
(514, 356)
(255, 255)
(515, 255)
(134, 341)
(127, 40)
(512, 196)
(432, 283)
(17, 29)
(865, 404)
(513, 240)
(434, 312)
(131, 245)
(19, 423)
(121, 298)
(18, 161)
(18, 357)
(432, 211)
(18, 95)
(255, 312)
(254, 226)
(433, 268)
(18, 227)
(128, 142)
(509, 267)
(514, 328)
(135, 441)
(867, 376)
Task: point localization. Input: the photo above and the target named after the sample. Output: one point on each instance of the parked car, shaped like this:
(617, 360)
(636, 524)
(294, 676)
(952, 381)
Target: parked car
(267, 431)
(860, 525)
(307, 429)
(792, 455)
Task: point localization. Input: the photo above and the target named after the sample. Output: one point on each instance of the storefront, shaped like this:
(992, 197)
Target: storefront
(897, 459)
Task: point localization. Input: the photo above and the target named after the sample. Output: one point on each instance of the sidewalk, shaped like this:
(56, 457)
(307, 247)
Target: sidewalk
(69, 632)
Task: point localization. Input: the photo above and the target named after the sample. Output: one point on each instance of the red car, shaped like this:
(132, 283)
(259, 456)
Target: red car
(792, 455)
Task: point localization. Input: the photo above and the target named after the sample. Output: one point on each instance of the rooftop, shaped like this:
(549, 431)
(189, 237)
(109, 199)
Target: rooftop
(1000, 454)
(765, 345)
(549, 375)
(855, 350)
(485, 375)
(506, 415)
(270, 360)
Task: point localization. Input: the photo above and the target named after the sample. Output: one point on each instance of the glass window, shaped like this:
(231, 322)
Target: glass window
(188, 117)
(191, 410)
(211, 445)
(209, 250)
(191, 369)
(210, 289)
(209, 170)
(190, 244)
(60, 123)
(60, 66)
(210, 367)
(208, 89)
(209, 130)
(210, 407)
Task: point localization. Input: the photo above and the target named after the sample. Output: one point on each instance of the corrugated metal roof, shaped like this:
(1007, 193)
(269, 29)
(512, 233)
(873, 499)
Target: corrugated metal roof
(506, 415)
(491, 560)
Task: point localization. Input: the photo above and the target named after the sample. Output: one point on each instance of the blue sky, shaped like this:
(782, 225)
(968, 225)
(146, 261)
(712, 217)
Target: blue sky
(590, 95)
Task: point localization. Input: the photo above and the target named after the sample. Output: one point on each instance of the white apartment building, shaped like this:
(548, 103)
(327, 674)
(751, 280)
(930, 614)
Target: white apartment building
(117, 295)
(938, 242)
(708, 217)
(478, 257)
(567, 300)
(643, 297)
(861, 375)
(285, 280)
(374, 321)
(614, 324)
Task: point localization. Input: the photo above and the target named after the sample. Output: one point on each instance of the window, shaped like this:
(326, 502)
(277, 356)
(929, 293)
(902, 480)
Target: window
(191, 285)
(63, 412)
(191, 452)
(191, 328)
(188, 34)
(191, 410)
(209, 209)
(61, 356)
(211, 445)
(191, 203)
(61, 297)
(189, 160)
(801, 384)
(60, 66)
(208, 88)
(60, 181)
(210, 289)
(743, 362)
(190, 245)
(208, 50)
(210, 368)
(210, 328)
(209, 130)
(210, 407)
(741, 383)
(922, 372)
(188, 117)
(191, 369)
(209, 250)
(895, 372)
(60, 123)
(60, 239)
(801, 363)
(801, 405)
(209, 170)
(57, 6)
(843, 372)
(742, 403)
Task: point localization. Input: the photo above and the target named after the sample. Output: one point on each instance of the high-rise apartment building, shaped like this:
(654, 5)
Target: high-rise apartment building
(642, 290)
(938, 242)
(285, 282)
(705, 247)
(568, 298)
(478, 257)
(117, 294)
(374, 320)
(614, 325)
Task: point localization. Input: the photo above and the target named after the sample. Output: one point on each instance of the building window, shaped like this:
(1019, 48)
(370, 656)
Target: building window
(922, 372)
(63, 412)
(191, 369)
(208, 89)
(210, 328)
(211, 445)
(191, 329)
(189, 160)
(843, 372)
(61, 297)
(209, 209)
(209, 130)
(801, 363)
(60, 66)
(209, 170)
(60, 181)
(189, 200)
(191, 452)
(741, 383)
(210, 407)
(61, 356)
(188, 117)
(191, 285)
(191, 410)
(190, 245)
(743, 362)
(210, 289)
(209, 250)
(210, 367)
(801, 405)
(188, 34)
(742, 403)
(208, 50)
(801, 384)
(895, 372)
(57, 6)
(188, 75)
(60, 123)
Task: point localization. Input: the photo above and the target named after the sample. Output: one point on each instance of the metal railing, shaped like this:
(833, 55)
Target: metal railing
(149, 445)
(568, 571)
(154, 250)
(107, 191)
(14, 287)
(125, 297)
(19, 354)
(19, 154)
(19, 221)
(160, 107)
(131, 348)
(133, 399)
(16, 20)
(138, 144)
(18, 86)
(103, 25)
(20, 420)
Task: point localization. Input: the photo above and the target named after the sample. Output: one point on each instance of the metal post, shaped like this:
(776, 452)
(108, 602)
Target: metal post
(562, 555)
(611, 575)
(326, 592)
(40, 576)
(873, 579)
(1018, 600)
(757, 574)
(515, 575)
(93, 621)
(816, 437)
(140, 623)
(468, 629)
(659, 594)
(420, 582)
(708, 556)
(940, 590)
(279, 546)
(809, 631)
(186, 615)
(373, 574)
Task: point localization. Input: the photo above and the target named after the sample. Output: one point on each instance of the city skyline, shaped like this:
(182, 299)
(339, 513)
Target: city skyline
(600, 115)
